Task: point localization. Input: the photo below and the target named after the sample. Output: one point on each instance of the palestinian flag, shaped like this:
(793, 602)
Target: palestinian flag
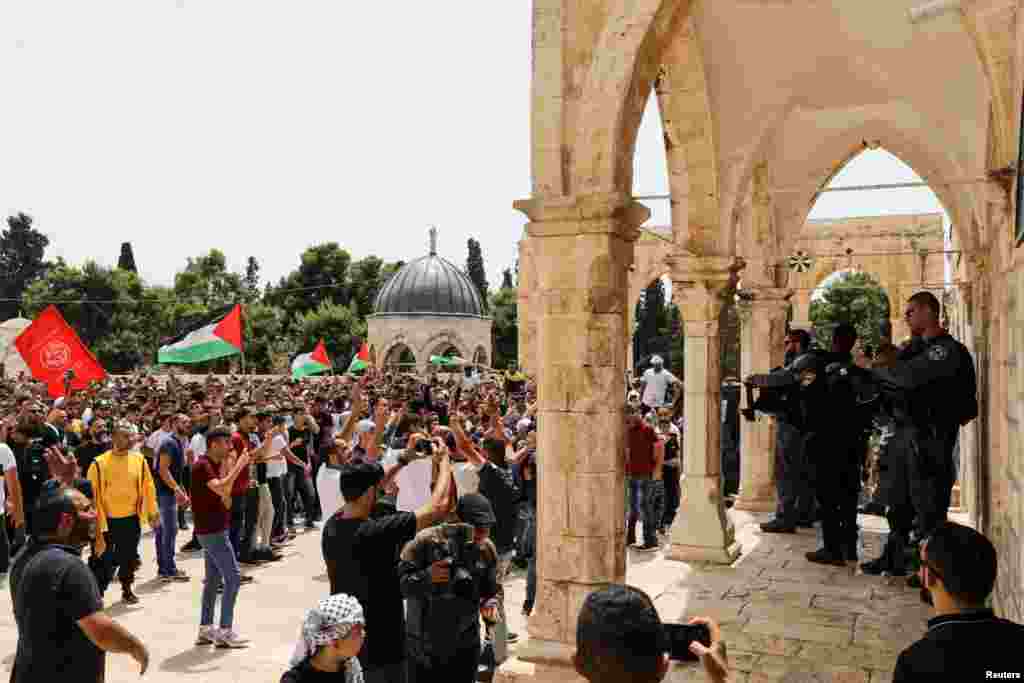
(311, 363)
(216, 338)
(447, 361)
(361, 360)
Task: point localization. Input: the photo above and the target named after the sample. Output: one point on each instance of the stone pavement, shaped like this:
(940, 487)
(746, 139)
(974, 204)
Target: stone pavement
(780, 615)
(783, 618)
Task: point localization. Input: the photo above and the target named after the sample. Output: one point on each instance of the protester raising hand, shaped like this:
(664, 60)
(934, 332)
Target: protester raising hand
(62, 467)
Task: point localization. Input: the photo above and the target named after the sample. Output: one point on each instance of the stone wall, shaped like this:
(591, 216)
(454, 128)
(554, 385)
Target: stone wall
(430, 334)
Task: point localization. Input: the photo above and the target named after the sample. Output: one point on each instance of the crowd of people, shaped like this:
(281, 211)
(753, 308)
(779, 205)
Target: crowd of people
(249, 461)
(424, 489)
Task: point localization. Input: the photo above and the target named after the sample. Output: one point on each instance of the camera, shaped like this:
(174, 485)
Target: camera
(679, 637)
(463, 555)
(775, 402)
(424, 446)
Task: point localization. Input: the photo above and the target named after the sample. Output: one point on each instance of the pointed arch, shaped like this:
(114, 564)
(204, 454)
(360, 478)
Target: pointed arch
(611, 101)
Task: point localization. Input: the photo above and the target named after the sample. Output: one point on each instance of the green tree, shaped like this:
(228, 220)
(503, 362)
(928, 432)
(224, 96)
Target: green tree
(475, 269)
(322, 275)
(505, 331)
(729, 336)
(264, 343)
(207, 282)
(335, 324)
(126, 261)
(506, 279)
(853, 298)
(366, 277)
(22, 248)
(653, 323)
(109, 308)
(251, 279)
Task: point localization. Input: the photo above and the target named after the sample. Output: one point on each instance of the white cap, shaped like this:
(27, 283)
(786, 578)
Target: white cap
(58, 402)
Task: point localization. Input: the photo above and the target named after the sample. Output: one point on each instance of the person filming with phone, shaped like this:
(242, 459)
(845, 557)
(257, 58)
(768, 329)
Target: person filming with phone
(620, 638)
(448, 574)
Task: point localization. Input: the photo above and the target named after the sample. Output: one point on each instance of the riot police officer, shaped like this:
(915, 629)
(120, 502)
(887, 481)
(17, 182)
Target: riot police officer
(932, 389)
(793, 487)
(831, 421)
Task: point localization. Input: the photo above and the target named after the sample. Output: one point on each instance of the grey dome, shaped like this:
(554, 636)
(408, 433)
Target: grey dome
(429, 286)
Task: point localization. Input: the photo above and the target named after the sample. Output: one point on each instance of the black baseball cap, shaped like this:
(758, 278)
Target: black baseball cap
(475, 509)
(358, 478)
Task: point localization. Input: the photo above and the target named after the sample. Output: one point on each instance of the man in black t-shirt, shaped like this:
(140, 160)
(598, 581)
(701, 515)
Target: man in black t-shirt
(62, 630)
(361, 556)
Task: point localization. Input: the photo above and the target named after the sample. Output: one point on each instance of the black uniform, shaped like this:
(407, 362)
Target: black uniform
(932, 391)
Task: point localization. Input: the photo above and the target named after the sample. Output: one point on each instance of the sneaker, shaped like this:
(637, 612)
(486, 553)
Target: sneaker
(207, 635)
(228, 639)
(252, 561)
(180, 576)
(191, 547)
(648, 547)
(245, 579)
(128, 597)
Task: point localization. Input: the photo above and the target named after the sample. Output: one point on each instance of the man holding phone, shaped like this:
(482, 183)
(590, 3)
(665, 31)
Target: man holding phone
(620, 638)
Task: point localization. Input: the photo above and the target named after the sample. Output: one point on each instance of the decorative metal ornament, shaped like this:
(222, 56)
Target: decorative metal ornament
(800, 262)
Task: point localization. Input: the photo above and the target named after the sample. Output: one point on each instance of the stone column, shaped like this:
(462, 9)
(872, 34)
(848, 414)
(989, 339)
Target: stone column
(525, 314)
(702, 531)
(802, 312)
(582, 248)
(764, 328)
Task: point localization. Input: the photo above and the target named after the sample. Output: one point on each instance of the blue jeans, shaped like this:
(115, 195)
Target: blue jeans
(166, 535)
(221, 565)
(640, 500)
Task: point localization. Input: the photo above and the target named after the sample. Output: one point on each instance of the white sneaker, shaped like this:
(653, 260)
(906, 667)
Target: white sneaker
(228, 639)
(207, 635)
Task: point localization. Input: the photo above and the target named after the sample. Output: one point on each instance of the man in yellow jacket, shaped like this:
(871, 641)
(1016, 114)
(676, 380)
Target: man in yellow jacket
(125, 498)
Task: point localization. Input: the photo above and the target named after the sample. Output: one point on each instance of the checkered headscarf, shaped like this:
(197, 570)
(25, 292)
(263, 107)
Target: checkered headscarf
(332, 619)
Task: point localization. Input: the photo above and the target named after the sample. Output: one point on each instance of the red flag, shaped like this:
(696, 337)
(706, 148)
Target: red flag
(50, 347)
(230, 328)
(320, 354)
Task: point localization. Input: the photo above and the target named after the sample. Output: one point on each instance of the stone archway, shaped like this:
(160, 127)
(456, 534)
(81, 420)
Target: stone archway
(399, 354)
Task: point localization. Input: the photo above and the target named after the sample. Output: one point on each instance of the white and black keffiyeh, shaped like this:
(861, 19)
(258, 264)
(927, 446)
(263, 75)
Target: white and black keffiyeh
(332, 619)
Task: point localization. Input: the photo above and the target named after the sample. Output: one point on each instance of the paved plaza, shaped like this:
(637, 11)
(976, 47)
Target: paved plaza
(780, 614)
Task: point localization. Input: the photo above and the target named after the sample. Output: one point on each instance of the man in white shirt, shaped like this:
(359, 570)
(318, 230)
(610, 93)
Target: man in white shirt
(656, 381)
(9, 467)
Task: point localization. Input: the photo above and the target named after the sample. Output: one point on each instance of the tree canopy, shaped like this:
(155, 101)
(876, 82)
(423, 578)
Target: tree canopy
(22, 250)
(853, 298)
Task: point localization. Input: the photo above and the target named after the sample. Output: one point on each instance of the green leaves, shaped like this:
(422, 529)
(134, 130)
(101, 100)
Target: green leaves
(854, 298)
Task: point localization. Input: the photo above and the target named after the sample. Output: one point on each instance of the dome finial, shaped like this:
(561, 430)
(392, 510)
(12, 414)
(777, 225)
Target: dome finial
(433, 240)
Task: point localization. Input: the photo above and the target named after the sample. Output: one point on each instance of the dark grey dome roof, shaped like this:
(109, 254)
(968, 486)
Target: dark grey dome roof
(429, 286)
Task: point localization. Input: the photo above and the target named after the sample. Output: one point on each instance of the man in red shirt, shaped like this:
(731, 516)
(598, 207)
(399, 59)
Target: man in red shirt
(645, 452)
(245, 497)
(213, 478)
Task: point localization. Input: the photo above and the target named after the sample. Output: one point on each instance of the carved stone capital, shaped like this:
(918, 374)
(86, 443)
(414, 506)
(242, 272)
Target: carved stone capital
(606, 213)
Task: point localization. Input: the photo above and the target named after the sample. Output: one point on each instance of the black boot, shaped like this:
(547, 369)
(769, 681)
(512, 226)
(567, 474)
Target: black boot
(128, 597)
(825, 556)
(777, 526)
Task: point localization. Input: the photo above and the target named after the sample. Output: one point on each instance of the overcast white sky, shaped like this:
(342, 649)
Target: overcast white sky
(264, 127)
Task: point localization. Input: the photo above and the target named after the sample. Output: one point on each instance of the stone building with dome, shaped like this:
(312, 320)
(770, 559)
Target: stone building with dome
(428, 308)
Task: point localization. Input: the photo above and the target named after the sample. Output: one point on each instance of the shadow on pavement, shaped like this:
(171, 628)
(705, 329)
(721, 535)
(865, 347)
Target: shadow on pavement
(195, 660)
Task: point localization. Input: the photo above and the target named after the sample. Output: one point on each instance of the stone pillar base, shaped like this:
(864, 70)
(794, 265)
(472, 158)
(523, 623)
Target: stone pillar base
(755, 503)
(694, 553)
(704, 533)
